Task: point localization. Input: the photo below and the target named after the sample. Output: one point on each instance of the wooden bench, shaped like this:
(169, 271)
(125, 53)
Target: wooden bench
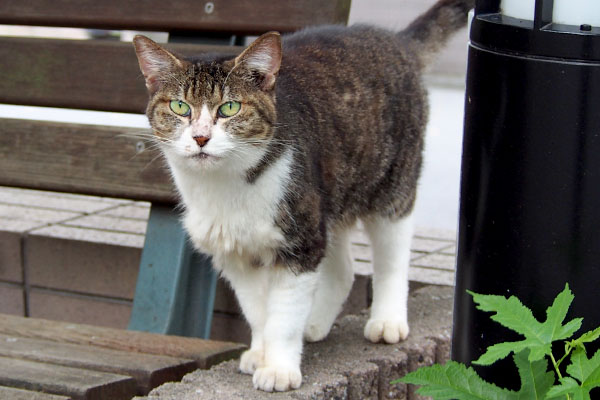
(90, 362)
(175, 288)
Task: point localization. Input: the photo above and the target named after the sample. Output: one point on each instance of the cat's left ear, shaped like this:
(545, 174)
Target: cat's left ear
(155, 62)
(263, 56)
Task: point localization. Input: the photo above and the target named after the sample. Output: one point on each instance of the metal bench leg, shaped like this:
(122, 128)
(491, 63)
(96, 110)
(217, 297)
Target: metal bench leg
(176, 286)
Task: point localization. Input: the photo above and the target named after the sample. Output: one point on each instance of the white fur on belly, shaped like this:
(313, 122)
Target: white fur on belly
(228, 217)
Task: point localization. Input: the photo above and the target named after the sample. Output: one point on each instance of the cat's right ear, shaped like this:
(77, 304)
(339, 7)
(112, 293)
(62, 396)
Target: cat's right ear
(155, 62)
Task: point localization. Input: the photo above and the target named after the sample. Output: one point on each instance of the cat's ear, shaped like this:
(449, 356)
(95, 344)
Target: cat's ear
(155, 62)
(262, 57)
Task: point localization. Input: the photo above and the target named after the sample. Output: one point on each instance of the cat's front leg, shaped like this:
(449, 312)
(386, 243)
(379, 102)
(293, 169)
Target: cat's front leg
(288, 306)
(251, 286)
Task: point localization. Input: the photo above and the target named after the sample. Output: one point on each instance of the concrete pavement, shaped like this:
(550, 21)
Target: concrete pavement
(344, 365)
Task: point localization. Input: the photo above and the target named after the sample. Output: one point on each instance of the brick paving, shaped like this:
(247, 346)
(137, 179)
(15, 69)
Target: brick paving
(344, 365)
(75, 258)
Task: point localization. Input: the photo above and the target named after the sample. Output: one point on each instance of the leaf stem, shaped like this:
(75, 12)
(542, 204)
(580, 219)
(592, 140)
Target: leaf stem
(555, 364)
(568, 349)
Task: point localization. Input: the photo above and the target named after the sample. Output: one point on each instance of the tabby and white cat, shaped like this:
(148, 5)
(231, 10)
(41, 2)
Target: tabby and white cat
(278, 151)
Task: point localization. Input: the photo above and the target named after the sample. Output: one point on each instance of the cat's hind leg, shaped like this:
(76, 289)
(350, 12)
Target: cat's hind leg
(335, 281)
(390, 239)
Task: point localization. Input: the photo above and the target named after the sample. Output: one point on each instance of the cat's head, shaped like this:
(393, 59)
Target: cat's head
(213, 113)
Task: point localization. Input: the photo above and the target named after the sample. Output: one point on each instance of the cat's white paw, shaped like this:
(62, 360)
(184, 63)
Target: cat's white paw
(315, 333)
(277, 378)
(391, 330)
(251, 360)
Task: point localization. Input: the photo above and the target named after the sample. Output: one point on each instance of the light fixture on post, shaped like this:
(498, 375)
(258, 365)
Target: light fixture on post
(530, 183)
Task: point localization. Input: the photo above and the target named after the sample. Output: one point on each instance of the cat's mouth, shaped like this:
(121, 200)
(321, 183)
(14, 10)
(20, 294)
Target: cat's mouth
(202, 156)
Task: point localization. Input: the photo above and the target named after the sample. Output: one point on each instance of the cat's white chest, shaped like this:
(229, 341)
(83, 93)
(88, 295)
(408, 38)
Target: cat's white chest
(230, 218)
(233, 229)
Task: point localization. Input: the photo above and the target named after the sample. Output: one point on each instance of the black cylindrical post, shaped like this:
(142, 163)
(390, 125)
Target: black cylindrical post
(530, 184)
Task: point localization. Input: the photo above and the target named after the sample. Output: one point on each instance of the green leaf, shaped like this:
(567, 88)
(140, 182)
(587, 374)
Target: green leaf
(499, 351)
(587, 337)
(586, 371)
(512, 314)
(536, 381)
(567, 386)
(553, 329)
(455, 381)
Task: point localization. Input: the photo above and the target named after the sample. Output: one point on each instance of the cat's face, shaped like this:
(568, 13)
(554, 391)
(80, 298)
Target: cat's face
(214, 114)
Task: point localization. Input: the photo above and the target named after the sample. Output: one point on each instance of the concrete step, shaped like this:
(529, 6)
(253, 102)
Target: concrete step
(75, 258)
(344, 366)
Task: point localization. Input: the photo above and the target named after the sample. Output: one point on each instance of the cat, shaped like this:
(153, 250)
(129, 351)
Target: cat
(278, 151)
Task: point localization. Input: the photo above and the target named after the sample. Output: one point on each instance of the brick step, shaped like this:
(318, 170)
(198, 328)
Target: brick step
(75, 258)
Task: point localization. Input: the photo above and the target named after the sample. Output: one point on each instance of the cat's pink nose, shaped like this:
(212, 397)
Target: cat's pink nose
(201, 140)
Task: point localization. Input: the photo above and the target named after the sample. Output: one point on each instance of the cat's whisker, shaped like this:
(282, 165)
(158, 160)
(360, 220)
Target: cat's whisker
(159, 155)
(147, 137)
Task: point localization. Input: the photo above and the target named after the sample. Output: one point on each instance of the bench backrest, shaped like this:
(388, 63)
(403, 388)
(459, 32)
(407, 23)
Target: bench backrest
(103, 75)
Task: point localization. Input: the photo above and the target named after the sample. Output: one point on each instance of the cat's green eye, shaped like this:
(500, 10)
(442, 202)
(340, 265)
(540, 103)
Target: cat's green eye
(229, 109)
(180, 108)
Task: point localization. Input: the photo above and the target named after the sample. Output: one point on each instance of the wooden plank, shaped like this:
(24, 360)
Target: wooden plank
(81, 159)
(149, 371)
(237, 16)
(82, 74)
(76, 383)
(204, 352)
(20, 394)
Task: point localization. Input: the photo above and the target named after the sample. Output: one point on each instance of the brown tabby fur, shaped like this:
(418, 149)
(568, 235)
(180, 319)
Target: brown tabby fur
(349, 102)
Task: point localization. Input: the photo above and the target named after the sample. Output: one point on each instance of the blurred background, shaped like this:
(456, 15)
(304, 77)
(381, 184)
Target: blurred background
(437, 204)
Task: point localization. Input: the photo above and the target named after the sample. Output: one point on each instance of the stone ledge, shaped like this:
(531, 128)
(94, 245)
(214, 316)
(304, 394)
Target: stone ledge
(344, 366)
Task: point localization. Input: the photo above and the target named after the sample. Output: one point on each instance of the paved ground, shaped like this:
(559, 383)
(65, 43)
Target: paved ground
(120, 222)
(60, 254)
(343, 366)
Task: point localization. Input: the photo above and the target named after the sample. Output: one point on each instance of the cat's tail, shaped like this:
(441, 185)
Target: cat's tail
(431, 30)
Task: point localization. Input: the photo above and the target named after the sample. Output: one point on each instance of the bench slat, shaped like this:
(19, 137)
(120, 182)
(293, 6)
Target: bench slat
(204, 352)
(20, 394)
(82, 74)
(236, 16)
(81, 159)
(148, 370)
(76, 383)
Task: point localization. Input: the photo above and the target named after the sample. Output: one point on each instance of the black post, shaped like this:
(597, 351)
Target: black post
(530, 186)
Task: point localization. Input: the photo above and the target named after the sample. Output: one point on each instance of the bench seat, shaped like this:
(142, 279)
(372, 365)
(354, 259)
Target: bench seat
(90, 362)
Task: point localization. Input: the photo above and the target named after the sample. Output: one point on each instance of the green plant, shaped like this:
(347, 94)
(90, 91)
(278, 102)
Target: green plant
(455, 381)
